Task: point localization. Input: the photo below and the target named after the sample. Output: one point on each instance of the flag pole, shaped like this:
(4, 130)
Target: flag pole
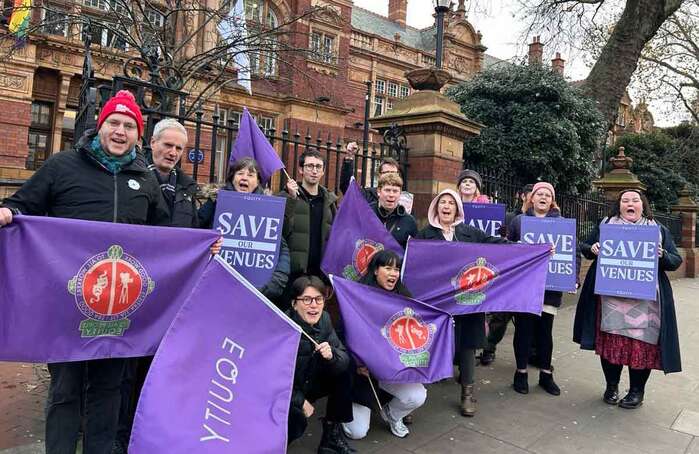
(288, 177)
(376, 396)
(310, 339)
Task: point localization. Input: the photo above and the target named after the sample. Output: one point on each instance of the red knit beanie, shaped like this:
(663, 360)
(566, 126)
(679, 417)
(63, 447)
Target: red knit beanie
(124, 103)
(544, 185)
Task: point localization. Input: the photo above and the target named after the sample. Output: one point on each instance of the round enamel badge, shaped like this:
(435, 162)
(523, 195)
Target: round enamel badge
(135, 185)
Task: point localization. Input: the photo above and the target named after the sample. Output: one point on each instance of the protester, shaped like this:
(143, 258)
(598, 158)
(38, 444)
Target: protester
(310, 211)
(179, 189)
(403, 398)
(387, 166)
(321, 369)
(654, 343)
(393, 216)
(541, 203)
(104, 179)
(469, 184)
(498, 321)
(446, 223)
(244, 176)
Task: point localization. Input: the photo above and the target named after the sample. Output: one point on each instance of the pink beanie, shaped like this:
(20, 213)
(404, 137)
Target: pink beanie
(544, 185)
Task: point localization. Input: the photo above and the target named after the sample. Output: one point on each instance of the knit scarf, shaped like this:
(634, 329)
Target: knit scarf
(630, 317)
(113, 164)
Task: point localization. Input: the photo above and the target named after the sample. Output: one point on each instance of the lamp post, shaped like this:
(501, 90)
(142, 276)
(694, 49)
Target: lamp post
(367, 106)
(440, 7)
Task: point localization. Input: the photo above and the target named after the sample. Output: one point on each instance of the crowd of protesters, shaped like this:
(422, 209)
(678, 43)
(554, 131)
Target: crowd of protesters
(107, 178)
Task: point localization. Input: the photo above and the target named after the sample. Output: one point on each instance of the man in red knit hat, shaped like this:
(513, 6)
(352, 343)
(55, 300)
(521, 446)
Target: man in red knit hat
(104, 179)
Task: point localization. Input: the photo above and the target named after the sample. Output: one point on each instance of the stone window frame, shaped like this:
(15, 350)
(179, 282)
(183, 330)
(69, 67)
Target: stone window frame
(270, 12)
(50, 29)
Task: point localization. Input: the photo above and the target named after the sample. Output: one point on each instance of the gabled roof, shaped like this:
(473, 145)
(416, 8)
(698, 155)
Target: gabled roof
(376, 24)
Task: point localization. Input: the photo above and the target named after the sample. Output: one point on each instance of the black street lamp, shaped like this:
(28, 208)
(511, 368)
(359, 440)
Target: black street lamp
(367, 106)
(440, 7)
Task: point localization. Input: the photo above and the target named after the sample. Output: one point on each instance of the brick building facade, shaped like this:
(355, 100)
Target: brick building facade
(321, 93)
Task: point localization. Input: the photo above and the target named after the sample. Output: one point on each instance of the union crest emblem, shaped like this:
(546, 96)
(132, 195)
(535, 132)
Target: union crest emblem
(364, 250)
(408, 334)
(473, 280)
(108, 288)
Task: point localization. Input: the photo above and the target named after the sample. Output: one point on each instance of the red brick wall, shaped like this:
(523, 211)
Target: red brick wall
(14, 127)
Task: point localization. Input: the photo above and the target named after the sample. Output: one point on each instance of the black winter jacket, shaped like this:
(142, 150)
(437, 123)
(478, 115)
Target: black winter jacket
(398, 223)
(310, 364)
(585, 325)
(72, 184)
(346, 173)
(297, 226)
(470, 328)
(184, 212)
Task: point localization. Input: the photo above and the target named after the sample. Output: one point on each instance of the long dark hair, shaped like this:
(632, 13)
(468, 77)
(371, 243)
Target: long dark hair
(647, 211)
(384, 258)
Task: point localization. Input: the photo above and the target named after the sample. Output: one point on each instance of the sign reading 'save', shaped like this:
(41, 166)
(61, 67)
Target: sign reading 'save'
(627, 265)
(251, 226)
(560, 233)
(488, 217)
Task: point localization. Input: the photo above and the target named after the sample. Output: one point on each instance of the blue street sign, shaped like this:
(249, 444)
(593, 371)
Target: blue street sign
(195, 155)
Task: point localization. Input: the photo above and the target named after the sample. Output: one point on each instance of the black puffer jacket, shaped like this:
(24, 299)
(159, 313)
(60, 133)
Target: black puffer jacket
(399, 223)
(309, 363)
(72, 184)
(184, 210)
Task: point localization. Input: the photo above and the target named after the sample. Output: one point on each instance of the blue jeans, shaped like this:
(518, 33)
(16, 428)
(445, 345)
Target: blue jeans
(99, 382)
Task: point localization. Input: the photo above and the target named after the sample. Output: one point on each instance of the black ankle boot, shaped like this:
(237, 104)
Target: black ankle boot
(550, 386)
(521, 382)
(633, 399)
(333, 440)
(611, 394)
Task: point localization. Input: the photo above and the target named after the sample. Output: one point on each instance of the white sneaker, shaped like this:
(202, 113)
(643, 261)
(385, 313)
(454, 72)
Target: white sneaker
(397, 427)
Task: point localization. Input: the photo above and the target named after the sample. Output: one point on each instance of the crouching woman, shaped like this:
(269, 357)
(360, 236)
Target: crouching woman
(321, 368)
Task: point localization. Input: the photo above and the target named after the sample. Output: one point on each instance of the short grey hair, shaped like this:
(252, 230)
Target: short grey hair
(169, 123)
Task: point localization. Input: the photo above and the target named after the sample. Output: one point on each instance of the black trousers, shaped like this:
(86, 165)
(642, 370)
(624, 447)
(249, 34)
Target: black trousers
(338, 389)
(529, 327)
(132, 382)
(98, 381)
(497, 326)
(637, 377)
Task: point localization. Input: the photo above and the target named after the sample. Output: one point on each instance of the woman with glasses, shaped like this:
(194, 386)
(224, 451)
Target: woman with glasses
(403, 398)
(244, 176)
(321, 368)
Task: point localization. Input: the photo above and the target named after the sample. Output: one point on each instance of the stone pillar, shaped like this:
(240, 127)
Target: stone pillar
(619, 178)
(61, 101)
(435, 131)
(687, 209)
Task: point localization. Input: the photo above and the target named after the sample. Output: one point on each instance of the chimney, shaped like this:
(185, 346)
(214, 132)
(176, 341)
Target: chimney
(536, 51)
(398, 11)
(558, 64)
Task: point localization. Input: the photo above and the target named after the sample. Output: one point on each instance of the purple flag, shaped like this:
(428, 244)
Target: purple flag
(399, 339)
(356, 235)
(463, 278)
(74, 290)
(487, 217)
(251, 142)
(559, 232)
(627, 265)
(251, 225)
(221, 380)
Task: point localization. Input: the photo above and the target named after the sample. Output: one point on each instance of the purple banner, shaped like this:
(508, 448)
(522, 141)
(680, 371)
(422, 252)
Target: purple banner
(221, 380)
(399, 339)
(627, 265)
(251, 225)
(76, 290)
(487, 217)
(463, 278)
(356, 235)
(559, 232)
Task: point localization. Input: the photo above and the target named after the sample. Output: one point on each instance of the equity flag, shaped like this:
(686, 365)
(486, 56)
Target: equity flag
(399, 339)
(251, 142)
(355, 236)
(222, 378)
(75, 290)
(463, 278)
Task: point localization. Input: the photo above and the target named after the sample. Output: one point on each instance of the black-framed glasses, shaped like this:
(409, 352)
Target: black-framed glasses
(307, 300)
(317, 167)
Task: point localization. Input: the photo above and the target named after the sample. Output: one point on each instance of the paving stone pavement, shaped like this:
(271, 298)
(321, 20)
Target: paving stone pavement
(577, 421)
